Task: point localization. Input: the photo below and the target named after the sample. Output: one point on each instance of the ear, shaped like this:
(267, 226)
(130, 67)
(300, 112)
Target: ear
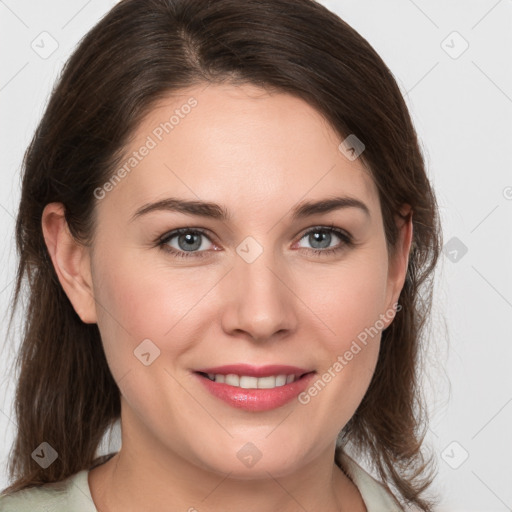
(71, 261)
(399, 259)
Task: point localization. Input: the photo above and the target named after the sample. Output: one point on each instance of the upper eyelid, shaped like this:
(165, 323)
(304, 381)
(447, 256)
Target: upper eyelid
(176, 232)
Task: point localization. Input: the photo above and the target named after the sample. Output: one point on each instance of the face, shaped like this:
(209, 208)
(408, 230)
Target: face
(272, 283)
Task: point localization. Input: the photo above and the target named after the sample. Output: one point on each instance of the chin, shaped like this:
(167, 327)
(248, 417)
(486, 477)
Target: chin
(247, 460)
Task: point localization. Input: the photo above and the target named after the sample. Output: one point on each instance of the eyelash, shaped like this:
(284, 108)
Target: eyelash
(346, 238)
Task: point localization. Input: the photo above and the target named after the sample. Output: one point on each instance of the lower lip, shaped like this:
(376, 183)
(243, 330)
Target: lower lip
(256, 399)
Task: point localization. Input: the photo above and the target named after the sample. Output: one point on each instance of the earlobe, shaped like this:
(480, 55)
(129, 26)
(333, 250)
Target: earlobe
(71, 261)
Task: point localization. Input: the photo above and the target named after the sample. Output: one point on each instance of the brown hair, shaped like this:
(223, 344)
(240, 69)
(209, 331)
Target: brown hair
(141, 51)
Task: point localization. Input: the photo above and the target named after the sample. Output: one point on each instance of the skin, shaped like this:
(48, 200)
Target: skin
(258, 154)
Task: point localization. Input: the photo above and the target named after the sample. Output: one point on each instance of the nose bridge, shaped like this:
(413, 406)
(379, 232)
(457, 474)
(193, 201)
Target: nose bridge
(262, 303)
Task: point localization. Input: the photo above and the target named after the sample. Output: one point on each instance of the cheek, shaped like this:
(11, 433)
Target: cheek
(349, 298)
(349, 302)
(138, 301)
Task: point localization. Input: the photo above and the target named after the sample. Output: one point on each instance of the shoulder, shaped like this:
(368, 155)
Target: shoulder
(375, 496)
(70, 495)
(43, 497)
(64, 496)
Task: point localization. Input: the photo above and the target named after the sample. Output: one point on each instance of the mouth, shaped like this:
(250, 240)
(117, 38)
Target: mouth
(255, 388)
(251, 382)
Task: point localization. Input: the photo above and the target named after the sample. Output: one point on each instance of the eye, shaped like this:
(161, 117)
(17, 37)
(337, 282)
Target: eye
(191, 242)
(185, 242)
(321, 237)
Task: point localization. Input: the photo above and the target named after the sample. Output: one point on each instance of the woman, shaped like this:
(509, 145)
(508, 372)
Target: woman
(225, 224)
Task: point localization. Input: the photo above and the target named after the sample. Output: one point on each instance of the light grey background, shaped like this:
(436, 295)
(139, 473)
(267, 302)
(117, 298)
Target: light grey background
(461, 103)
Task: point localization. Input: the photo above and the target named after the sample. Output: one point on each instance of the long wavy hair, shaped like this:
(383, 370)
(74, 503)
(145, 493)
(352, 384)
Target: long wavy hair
(140, 52)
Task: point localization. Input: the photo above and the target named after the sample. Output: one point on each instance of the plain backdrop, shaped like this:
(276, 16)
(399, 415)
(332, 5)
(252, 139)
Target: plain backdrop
(452, 61)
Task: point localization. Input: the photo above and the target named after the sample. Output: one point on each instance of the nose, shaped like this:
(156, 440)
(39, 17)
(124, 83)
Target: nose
(260, 301)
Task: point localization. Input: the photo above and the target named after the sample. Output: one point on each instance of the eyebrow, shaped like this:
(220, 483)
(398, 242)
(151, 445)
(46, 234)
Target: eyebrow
(218, 212)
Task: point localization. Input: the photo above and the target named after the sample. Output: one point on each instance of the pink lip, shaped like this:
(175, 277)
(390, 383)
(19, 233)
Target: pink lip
(256, 399)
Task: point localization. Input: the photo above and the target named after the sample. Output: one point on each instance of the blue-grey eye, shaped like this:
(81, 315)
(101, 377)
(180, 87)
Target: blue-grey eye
(321, 238)
(187, 240)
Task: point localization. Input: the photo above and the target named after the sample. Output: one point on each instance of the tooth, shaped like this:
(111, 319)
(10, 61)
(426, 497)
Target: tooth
(248, 382)
(232, 380)
(280, 380)
(266, 382)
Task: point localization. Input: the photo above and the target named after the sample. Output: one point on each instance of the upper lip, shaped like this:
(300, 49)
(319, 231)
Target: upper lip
(256, 371)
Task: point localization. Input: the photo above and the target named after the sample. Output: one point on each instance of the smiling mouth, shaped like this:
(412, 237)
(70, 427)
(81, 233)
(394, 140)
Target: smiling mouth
(255, 388)
(252, 382)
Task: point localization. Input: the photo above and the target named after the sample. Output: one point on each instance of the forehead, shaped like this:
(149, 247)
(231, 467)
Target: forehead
(240, 145)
